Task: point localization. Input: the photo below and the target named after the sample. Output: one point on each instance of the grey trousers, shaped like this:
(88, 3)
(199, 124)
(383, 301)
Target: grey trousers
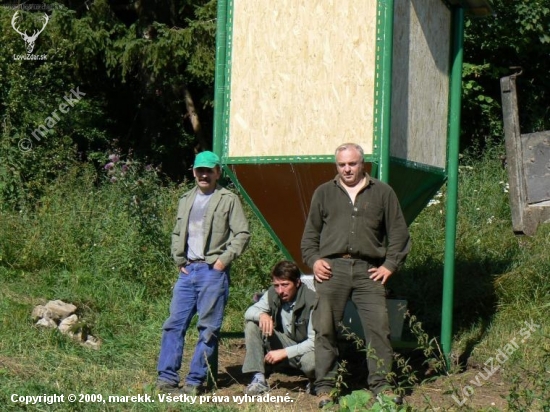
(350, 279)
(257, 347)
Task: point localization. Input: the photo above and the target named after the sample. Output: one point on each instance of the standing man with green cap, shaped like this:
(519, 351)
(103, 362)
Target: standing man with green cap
(211, 231)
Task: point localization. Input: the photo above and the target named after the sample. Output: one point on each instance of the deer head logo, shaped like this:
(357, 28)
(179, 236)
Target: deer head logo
(29, 40)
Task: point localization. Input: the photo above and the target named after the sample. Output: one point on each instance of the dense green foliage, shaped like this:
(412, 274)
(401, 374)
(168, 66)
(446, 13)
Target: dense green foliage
(516, 36)
(143, 71)
(147, 71)
(119, 229)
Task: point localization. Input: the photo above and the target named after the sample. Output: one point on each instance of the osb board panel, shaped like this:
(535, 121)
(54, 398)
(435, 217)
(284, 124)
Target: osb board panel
(420, 81)
(302, 76)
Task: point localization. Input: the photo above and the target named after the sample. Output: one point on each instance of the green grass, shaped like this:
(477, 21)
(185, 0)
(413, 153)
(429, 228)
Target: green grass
(105, 248)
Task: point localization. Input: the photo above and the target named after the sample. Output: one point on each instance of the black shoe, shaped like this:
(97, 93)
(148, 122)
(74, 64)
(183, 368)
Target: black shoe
(257, 387)
(172, 388)
(167, 387)
(395, 398)
(324, 400)
(310, 387)
(191, 390)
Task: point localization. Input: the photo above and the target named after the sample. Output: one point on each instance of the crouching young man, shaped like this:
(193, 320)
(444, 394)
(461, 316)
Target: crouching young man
(278, 329)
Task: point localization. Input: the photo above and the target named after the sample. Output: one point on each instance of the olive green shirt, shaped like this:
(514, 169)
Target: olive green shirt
(372, 229)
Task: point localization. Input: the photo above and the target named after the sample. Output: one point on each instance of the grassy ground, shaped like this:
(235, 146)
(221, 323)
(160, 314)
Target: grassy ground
(104, 247)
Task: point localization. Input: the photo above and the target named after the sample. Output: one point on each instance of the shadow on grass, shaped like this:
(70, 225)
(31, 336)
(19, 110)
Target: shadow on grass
(474, 303)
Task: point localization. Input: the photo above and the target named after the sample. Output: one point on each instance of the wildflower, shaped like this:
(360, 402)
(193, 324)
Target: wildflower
(109, 166)
(461, 168)
(149, 168)
(505, 186)
(124, 168)
(113, 179)
(435, 200)
(114, 158)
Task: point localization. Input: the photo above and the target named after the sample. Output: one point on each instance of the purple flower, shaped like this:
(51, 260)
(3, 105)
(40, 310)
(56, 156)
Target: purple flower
(109, 166)
(149, 168)
(113, 179)
(124, 168)
(114, 158)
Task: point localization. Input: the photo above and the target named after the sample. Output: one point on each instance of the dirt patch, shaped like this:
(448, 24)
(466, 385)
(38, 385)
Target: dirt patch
(435, 395)
(232, 382)
(460, 390)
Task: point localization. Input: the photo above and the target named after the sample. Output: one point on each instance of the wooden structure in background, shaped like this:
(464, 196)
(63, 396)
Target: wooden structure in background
(296, 79)
(528, 164)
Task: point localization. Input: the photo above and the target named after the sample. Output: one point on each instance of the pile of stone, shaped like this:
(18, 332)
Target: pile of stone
(60, 315)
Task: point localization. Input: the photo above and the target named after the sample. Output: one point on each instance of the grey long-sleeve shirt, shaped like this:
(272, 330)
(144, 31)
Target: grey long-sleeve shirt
(262, 306)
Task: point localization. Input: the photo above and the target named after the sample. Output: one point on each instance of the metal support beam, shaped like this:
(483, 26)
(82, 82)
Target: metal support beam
(452, 182)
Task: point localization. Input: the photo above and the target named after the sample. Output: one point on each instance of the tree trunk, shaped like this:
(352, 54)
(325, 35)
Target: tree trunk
(194, 119)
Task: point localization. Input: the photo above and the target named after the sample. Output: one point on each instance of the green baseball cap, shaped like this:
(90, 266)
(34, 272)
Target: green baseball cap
(206, 159)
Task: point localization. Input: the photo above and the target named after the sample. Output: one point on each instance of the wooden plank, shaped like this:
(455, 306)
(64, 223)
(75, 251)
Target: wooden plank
(420, 81)
(536, 164)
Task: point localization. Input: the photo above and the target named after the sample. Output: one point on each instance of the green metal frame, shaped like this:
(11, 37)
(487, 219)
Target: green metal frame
(224, 30)
(383, 88)
(455, 101)
(288, 159)
(419, 166)
(380, 158)
(431, 179)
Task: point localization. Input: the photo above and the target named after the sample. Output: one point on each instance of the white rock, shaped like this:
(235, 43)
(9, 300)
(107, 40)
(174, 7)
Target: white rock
(79, 336)
(46, 322)
(92, 342)
(41, 311)
(60, 309)
(67, 323)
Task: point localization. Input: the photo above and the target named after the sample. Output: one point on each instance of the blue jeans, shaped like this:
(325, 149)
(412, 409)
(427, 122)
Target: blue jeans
(204, 291)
